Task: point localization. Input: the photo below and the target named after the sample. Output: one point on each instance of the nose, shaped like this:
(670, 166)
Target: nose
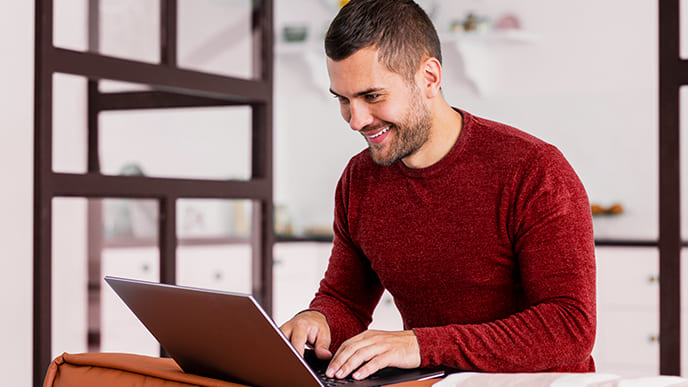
(359, 116)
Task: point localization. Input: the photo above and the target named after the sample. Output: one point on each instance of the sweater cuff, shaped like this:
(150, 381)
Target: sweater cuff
(343, 325)
(438, 348)
(426, 342)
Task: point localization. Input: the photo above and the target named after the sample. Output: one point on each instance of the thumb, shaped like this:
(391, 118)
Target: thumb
(322, 347)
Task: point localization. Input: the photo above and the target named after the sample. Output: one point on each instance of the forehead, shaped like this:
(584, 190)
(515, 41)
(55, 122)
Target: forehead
(360, 71)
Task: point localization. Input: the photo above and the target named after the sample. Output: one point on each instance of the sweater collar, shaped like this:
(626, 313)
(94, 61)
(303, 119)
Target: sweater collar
(449, 159)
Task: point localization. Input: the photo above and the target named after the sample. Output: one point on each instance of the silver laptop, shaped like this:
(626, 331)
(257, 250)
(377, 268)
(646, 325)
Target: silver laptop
(229, 336)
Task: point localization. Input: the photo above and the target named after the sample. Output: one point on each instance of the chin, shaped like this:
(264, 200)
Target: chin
(381, 160)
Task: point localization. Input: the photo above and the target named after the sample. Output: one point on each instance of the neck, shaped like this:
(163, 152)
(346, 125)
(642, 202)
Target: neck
(444, 132)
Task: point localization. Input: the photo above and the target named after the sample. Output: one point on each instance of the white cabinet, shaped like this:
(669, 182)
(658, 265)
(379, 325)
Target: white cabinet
(298, 269)
(121, 331)
(220, 267)
(628, 311)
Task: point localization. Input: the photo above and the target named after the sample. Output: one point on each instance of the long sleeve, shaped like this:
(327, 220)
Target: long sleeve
(553, 242)
(350, 290)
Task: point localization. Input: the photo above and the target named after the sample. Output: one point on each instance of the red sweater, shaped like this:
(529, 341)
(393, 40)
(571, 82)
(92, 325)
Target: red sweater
(489, 254)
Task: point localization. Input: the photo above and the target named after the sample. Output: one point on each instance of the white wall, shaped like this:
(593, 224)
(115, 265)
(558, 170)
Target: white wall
(588, 84)
(16, 161)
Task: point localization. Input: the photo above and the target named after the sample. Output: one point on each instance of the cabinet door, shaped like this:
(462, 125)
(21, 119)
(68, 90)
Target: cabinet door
(627, 309)
(298, 268)
(121, 331)
(220, 267)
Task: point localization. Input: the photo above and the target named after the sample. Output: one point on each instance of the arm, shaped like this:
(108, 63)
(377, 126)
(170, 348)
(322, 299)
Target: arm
(551, 233)
(350, 289)
(346, 299)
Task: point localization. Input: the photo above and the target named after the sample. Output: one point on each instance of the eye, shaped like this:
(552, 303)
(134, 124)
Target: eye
(341, 99)
(372, 97)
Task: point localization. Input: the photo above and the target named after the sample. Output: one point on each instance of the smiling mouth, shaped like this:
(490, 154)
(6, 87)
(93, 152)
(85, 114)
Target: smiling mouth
(380, 133)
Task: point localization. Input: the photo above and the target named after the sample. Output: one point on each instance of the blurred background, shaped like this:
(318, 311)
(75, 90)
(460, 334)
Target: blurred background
(581, 75)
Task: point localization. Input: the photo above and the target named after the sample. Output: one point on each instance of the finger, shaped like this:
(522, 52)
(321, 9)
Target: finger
(357, 359)
(321, 345)
(353, 356)
(345, 351)
(298, 340)
(286, 330)
(372, 366)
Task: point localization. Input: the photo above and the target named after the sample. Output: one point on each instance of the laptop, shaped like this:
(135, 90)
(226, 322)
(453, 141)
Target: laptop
(228, 336)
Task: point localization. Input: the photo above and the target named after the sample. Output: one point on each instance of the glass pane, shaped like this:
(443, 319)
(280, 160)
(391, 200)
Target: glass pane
(213, 218)
(215, 36)
(70, 24)
(130, 221)
(130, 250)
(203, 143)
(128, 29)
(70, 128)
(683, 29)
(631, 294)
(214, 244)
(69, 276)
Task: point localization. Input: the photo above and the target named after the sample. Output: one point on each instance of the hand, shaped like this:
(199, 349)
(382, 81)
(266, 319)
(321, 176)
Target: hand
(377, 349)
(310, 328)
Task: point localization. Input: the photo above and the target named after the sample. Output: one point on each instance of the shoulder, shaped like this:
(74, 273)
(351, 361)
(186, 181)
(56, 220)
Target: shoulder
(516, 155)
(505, 139)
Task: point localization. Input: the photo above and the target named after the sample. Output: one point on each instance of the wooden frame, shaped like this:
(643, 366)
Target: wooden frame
(673, 73)
(172, 87)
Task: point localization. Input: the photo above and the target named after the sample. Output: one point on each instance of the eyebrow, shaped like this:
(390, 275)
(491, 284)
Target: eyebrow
(360, 93)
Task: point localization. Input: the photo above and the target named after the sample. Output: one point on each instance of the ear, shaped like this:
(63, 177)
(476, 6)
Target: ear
(431, 72)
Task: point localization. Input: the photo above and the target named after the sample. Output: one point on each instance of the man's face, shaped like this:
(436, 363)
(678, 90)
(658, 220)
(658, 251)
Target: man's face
(388, 110)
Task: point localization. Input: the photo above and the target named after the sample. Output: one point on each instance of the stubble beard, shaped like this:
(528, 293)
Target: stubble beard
(409, 135)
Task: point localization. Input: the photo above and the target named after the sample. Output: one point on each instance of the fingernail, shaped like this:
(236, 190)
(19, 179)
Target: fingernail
(329, 372)
(340, 374)
(357, 375)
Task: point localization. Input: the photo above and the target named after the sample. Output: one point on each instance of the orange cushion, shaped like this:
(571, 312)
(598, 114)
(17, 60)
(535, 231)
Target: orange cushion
(120, 369)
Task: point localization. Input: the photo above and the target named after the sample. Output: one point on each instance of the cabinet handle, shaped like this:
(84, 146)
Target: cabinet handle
(276, 262)
(654, 338)
(653, 279)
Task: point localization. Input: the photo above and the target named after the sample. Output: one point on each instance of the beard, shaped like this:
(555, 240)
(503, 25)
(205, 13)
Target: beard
(410, 134)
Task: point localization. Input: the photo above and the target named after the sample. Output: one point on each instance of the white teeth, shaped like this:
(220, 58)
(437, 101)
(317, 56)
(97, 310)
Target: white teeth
(383, 131)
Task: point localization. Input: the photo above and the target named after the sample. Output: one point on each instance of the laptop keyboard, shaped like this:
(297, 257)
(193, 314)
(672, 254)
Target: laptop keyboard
(320, 366)
(332, 382)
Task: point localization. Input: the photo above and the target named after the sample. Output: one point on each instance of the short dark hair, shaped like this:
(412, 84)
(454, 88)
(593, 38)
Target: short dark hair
(400, 29)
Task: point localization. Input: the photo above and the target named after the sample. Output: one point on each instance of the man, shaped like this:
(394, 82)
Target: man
(482, 233)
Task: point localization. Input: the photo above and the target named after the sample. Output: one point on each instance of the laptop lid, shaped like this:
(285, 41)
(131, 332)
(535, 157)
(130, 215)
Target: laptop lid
(219, 334)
